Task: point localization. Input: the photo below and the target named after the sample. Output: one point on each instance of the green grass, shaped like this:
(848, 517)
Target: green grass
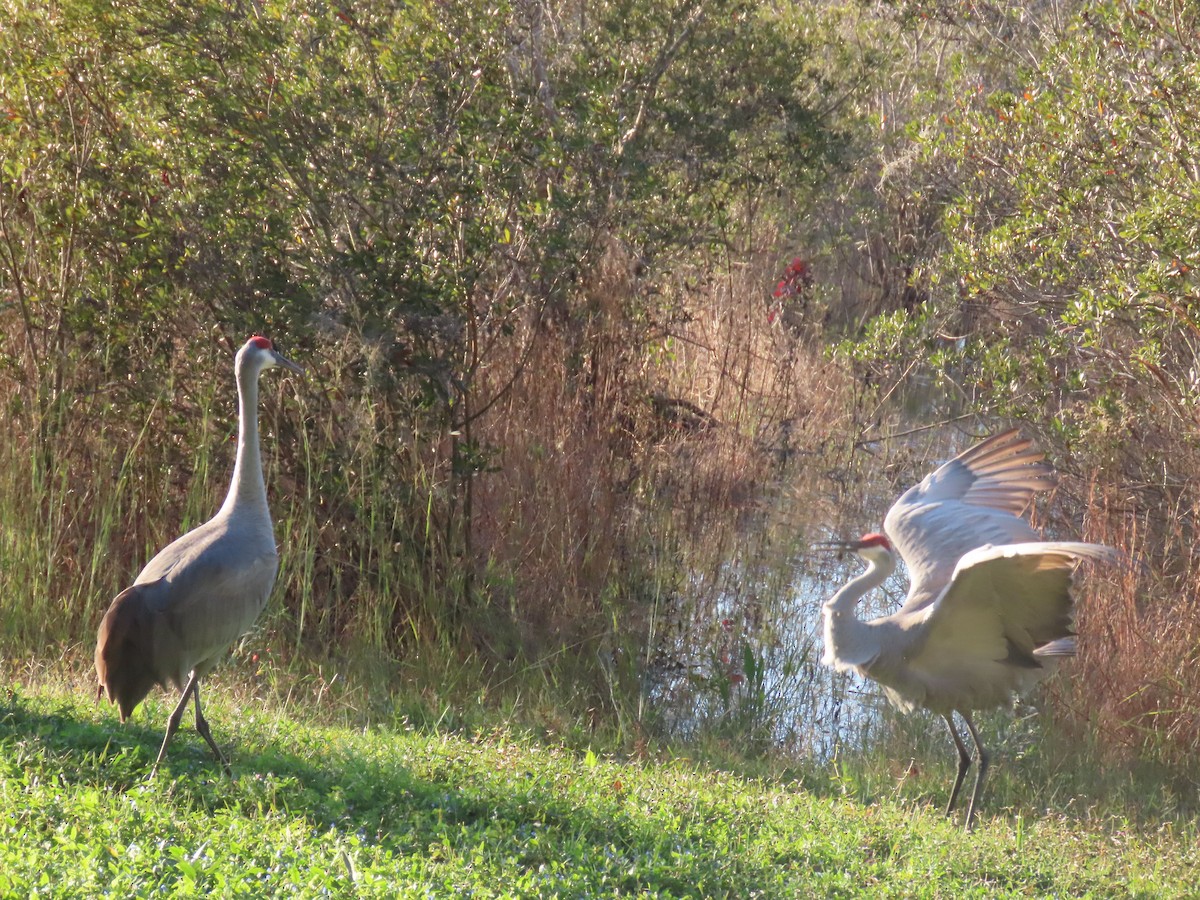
(344, 810)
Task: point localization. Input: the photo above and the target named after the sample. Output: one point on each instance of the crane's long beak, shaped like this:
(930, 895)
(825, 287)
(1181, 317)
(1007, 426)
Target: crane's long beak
(841, 548)
(282, 360)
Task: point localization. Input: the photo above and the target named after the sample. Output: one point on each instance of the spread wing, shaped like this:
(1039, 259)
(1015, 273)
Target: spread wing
(1005, 610)
(971, 501)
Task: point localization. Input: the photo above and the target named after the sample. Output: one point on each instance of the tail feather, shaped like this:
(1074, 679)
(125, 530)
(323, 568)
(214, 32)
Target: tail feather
(124, 652)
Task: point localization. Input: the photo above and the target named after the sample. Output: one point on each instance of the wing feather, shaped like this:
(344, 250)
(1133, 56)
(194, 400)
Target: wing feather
(1000, 622)
(971, 501)
(204, 591)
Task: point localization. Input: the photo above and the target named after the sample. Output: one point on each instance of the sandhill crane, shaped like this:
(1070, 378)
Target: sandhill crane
(204, 590)
(989, 608)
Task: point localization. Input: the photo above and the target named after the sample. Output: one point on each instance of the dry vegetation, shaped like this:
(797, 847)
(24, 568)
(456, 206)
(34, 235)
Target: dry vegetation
(1136, 680)
(555, 415)
(614, 496)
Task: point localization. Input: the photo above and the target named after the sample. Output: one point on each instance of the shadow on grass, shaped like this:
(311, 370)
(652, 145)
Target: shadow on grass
(520, 815)
(426, 794)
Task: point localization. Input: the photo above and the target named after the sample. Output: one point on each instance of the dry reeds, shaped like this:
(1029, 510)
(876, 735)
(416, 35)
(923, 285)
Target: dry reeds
(1136, 680)
(639, 459)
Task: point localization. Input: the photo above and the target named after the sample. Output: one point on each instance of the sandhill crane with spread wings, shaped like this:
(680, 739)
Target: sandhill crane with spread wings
(204, 590)
(989, 607)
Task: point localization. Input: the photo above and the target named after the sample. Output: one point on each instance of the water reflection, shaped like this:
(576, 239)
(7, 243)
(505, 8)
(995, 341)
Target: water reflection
(750, 666)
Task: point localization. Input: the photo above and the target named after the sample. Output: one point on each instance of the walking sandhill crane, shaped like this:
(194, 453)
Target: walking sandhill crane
(202, 591)
(989, 607)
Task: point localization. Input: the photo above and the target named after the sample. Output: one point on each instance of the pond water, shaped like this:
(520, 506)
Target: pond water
(742, 662)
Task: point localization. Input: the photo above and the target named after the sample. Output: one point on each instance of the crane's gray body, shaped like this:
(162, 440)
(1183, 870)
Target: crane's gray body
(202, 591)
(989, 607)
(998, 628)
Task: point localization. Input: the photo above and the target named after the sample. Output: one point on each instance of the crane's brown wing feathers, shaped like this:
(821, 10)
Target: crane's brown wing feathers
(124, 652)
(157, 632)
(1006, 472)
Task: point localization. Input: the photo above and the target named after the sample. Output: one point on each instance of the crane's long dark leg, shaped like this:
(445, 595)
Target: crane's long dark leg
(191, 691)
(202, 727)
(964, 761)
(979, 773)
(173, 721)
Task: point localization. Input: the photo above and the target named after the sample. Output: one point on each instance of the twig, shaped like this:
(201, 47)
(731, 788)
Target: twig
(899, 434)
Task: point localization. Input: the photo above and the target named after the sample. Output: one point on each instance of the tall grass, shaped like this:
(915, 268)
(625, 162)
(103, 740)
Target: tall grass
(84, 495)
(622, 466)
(636, 541)
(638, 509)
(1137, 680)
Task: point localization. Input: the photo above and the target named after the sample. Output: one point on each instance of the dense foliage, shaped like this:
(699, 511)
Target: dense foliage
(450, 211)
(527, 250)
(1054, 169)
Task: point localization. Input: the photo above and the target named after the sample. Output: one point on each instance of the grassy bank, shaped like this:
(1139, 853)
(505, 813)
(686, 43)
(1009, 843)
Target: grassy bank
(396, 809)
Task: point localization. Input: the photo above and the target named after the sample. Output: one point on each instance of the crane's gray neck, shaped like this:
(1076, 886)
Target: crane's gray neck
(848, 640)
(878, 571)
(248, 491)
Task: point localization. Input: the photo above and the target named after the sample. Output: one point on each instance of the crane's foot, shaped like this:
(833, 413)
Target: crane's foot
(190, 692)
(172, 727)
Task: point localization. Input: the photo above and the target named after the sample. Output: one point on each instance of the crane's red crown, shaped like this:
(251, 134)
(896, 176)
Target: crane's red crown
(260, 342)
(875, 539)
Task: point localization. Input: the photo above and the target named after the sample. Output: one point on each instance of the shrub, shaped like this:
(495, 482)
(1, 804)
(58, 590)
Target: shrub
(424, 201)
